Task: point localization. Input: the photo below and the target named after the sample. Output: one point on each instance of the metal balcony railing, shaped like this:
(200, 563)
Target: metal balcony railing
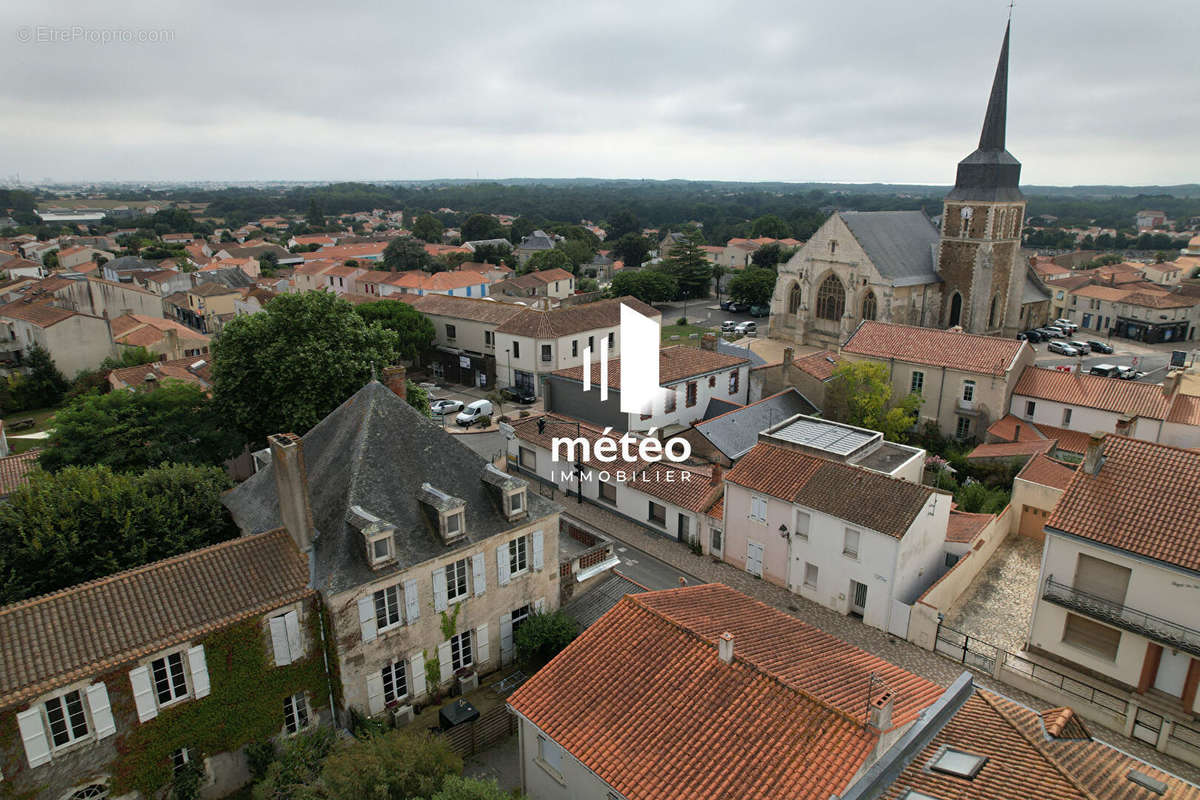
(1119, 615)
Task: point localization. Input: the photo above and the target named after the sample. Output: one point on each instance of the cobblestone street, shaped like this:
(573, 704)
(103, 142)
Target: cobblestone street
(921, 662)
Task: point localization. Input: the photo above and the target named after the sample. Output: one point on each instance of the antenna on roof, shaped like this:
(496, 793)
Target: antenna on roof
(373, 378)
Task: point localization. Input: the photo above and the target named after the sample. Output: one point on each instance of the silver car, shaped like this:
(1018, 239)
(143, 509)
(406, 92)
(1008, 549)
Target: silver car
(440, 408)
(1082, 347)
(1063, 348)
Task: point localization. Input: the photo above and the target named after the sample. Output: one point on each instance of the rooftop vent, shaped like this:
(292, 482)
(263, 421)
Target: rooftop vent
(1146, 782)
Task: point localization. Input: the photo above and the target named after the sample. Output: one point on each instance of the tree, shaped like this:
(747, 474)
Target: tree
(579, 252)
(719, 271)
(587, 284)
(298, 765)
(129, 357)
(50, 260)
(405, 253)
(753, 285)
(428, 228)
(490, 253)
(83, 523)
(649, 286)
(392, 766)
(768, 255)
(314, 218)
(286, 368)
(481, 226)
(413, 328)
(623, 223)
(771, 227)
(268, 262)
(690, 267)
(43, 385)
(418, 398)
(542, 636)
(520, 228)
(134, 431)
(458, 788)
(860, 393)
(633, 249)
(549, 259)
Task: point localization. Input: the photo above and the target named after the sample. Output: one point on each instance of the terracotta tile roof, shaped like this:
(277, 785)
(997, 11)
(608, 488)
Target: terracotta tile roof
(211, 290)
(1012, 449)
(1047, 471)
(820, 365)
(642, 700)
(718, 509)
(964, 526)
(342, 252)
(1093, 391)
(1069, 441)
(15, 469)
(125, 616)
(1063, 723)
(1185, 410)
(991, 355)
(859, 496)
(183, 369)
(491, 312)
(38, 314)
(573, 319)
(675, 364)
(684, 486)
(161, 276)
(1114, 507)
(552, 275)
(141, 336)
(1010, 428)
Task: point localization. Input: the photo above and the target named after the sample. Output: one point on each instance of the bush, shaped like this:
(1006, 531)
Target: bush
(523, 413)
(542, 636)
(485, 421)
(298, 765)
(259, 757)
(681, 321)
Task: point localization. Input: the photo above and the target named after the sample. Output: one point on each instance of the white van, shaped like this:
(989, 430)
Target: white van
(474, 413)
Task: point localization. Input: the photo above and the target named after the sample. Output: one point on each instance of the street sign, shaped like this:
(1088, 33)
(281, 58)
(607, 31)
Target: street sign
(1178, 358)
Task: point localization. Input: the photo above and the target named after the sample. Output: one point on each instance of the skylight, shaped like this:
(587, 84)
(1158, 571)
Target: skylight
(958, 763)
(1146, 782)
(913, 794)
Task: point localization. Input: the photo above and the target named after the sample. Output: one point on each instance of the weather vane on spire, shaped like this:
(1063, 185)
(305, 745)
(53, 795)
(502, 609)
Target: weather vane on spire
(1011, 3)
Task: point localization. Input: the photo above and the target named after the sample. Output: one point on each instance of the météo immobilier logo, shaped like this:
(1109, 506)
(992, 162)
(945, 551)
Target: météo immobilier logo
(640, 336)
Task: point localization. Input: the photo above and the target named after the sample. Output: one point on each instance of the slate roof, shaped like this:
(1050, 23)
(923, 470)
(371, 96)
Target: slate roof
(735, 432)
(900, 244)
(991, 355)
(730, 349)
(351, 458)
(132, 264)
(538, 240)
(91, 628)
(675, 364)
(643, 701)
(1114, 507)
(590, 606)
(858, 495)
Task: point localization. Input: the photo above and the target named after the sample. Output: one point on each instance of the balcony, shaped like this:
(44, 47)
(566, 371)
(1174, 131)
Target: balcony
(1160, 630)
(966, 406)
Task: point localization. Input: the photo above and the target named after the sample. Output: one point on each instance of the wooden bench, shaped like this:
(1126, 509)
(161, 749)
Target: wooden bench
(21, 424)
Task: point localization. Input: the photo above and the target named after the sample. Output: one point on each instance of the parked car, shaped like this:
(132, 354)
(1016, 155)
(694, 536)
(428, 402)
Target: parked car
(1082, 347)
(1031, 336)
(760, 311)
(728, 326)
(1055, 332)
(1105, 370)
(725, 304)
(1046, 334)
(1130, 374)
(1066, 325)
(1063, 348)
(1100, 347)
(519, 394)
(474, 413)
(442, 407)
(738, 308)
(746, 328)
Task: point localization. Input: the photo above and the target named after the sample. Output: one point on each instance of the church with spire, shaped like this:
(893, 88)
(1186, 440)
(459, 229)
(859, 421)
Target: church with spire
(896, 266)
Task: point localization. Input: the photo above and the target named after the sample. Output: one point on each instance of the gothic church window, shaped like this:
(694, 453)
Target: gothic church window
(869, 306)
(831, 299)
(794, 299)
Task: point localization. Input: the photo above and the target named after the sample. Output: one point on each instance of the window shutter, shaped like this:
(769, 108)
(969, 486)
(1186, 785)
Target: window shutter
(143, 694)
(200, 685)
(412, 607)
(102, 718)
(540, 605)
(439, 590)
(483, 646)
(33, 733)
(416, 675)
(279, 642)
(502, 564)
(537, 550)
(291, 622)
(444, 661)
(479, 570)
(374, 693)
(506, 639)
(366, 617)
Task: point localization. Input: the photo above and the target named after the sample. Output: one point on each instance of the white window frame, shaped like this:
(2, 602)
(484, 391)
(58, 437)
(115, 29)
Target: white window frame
(296, 714)
(395, 675)
(460, 645)
(60, 698)
(180, 759)
(968, 391)
(389, 604)
(917, 382)
(754, 498)
(816, 575)
(519, 615)
(452, 595)
(549, 756)
(848, 551)
(174, 698)
(518, 556)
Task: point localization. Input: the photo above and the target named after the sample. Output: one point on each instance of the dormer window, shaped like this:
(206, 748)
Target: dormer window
(516, 503)
(450, 512)
(454, 524)
(510, 492)
(377, 535)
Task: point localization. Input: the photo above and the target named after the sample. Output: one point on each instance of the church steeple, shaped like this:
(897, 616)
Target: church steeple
(991, 173)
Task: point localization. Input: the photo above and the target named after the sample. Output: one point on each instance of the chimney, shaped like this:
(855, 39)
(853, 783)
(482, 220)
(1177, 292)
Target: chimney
(789, 355)
(291, 484)
(725, 647)
(1125, 426)
(1170, 384)
(879, 715)
(708, 341)
(172, 337)
(717, 474)
(396, 379)
(1017, 432)
(1094, 457)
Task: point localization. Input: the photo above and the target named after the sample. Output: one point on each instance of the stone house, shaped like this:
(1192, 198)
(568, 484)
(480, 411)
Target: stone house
(130, 689)
(556, 283)
(428, 567)
(75, 341)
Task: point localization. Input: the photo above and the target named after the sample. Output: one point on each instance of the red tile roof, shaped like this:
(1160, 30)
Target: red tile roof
(38, 314)
(820, 364)
(859, 496)
(1185, 410)
(675, 364)
(125, 616)
(642, 700)
(15, 469)
(991, 355)
(1024, 448)
(1116, 506)
(1048, 471)
(567, 320)
(1063, 723)
(1093, 391)
(964, 527)
(491, 312)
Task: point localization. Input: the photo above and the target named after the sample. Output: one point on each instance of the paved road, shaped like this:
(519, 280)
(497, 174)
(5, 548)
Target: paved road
(1153, 364)
(647, 570)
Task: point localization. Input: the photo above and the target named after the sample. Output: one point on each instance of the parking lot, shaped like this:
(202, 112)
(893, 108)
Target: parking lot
(1150, 359)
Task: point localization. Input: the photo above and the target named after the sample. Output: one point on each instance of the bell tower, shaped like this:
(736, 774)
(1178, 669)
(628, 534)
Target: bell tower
(979, 253)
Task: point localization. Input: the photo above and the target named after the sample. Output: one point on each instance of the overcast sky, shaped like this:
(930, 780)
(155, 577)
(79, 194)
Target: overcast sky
(858, 90)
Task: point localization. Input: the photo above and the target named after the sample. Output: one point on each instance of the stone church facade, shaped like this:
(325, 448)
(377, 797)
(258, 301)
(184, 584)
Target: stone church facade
(895, 266)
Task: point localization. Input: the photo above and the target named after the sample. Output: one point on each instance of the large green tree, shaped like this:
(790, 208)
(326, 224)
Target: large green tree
(135, 430)
(83, 523)
(405, 253)
(772, 227)
(285, 368)
(392, 766)
(860, 393)
(481, 226)
(633, 249)
(647, 285)
(753, 285)
(542, 636)
(623, 223)
(428, 228)
(690, 267)
(549, 259)
(413, 328)
(42, 385)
